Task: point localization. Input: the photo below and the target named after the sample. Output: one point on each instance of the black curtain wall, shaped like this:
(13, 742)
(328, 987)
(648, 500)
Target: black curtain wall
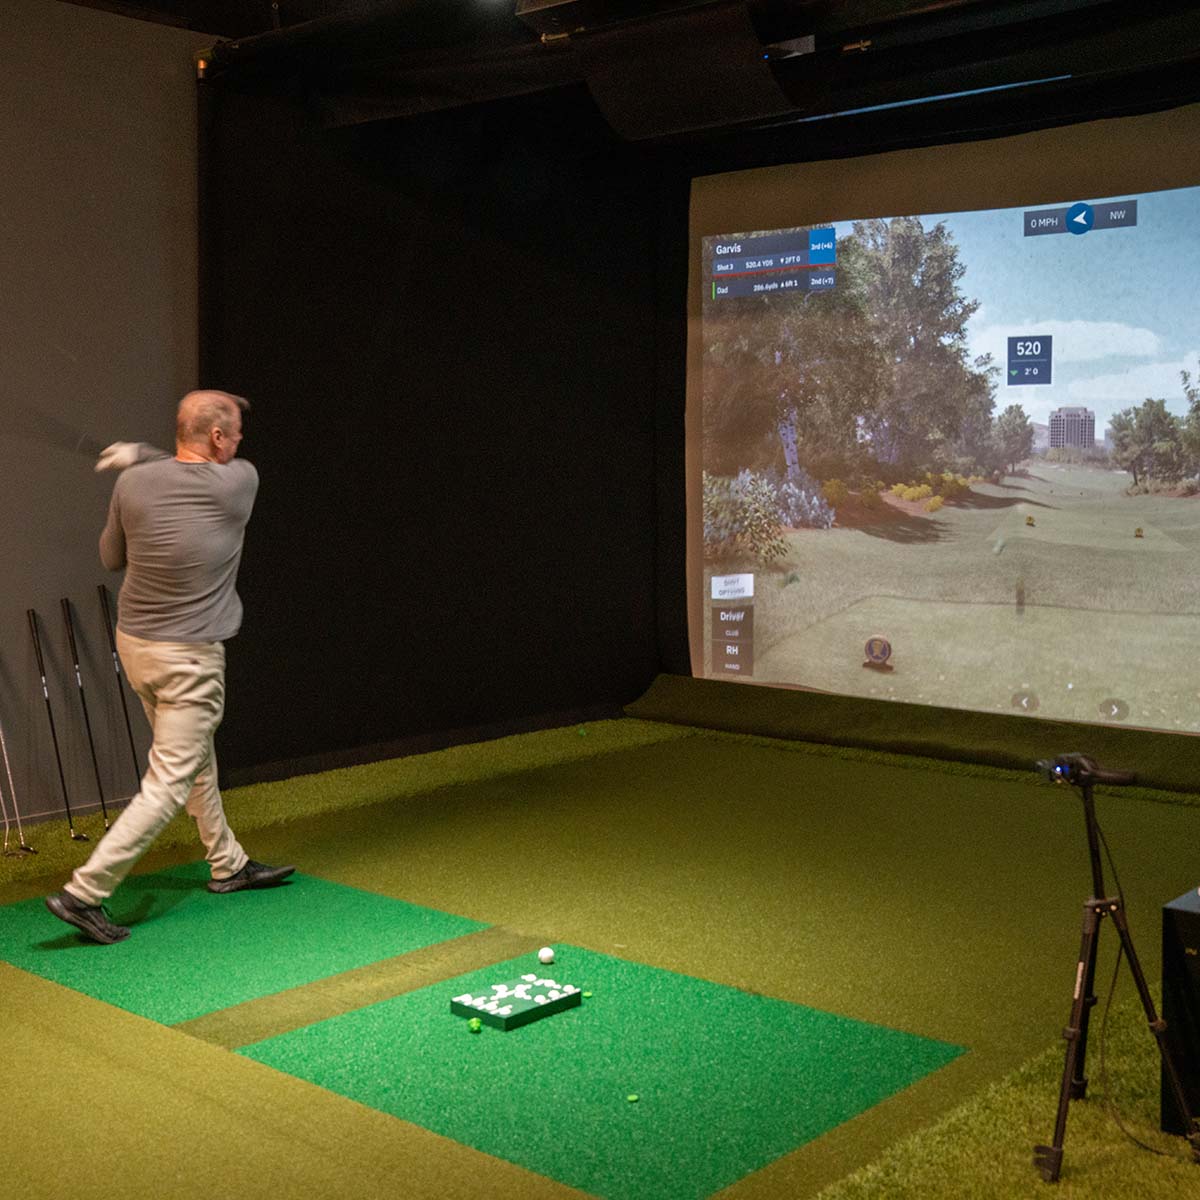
(448, 331)
(464, 335)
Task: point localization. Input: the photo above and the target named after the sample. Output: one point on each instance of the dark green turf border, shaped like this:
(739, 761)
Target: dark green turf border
(1166, 761)
(984, 1148)
(269, 1016)
(264, 805)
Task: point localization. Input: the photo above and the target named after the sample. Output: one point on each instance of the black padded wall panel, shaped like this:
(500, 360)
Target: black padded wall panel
(447, 330)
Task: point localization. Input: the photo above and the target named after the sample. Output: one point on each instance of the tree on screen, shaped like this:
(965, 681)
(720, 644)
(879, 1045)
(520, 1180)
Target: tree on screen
(976, 446)
(1014, 436)
(1151, 443)
(869, 379)
(1191, 423)
(808, 363)
(933, 393)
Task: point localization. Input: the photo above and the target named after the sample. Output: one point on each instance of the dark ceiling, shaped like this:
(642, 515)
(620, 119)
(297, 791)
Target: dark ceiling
(221, 18)
(244, 18)
(662, 68)
(441, 21)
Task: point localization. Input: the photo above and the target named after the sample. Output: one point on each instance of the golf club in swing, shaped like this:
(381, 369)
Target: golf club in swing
(29, 421)
(87, 724)
(62, 779)
(116, 658)
(23, 847)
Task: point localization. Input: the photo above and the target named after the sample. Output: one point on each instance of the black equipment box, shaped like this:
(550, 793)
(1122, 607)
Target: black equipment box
(1181, 1003)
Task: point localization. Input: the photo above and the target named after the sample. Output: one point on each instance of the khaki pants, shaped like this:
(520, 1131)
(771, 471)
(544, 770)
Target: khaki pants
(182, 688)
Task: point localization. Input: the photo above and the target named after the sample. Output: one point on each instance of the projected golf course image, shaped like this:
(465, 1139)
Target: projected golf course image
(950, 460)
(1075, 614)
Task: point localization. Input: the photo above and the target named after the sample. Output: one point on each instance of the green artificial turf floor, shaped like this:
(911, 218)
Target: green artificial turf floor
(942, 902)
(726, 1081)
(193, 952)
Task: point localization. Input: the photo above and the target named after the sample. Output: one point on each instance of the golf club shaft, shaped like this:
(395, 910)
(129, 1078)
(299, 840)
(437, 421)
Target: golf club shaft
(62, 779)
(4, 813)
(12, 794)
(87, 724)
(112, 645)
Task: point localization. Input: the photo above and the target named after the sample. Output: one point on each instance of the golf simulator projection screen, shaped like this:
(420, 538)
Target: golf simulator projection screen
(944, 425)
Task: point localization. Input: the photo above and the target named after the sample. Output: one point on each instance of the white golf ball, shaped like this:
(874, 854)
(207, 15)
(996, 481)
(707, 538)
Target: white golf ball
(546, 954)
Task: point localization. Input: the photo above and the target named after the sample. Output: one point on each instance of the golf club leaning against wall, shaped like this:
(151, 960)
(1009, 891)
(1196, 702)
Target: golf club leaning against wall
(116, 661)
(87, 723)
(22, 847)
(41, 665)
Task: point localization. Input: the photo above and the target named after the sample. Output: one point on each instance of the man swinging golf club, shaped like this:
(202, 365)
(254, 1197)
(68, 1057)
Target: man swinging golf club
(176, 524)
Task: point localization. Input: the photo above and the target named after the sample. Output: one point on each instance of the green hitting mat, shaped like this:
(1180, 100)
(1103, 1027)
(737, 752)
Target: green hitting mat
(657, 1087)
(193, 952)
(511, 1003)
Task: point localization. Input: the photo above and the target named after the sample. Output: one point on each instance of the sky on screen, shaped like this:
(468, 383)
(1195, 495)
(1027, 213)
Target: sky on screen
(1121, 304)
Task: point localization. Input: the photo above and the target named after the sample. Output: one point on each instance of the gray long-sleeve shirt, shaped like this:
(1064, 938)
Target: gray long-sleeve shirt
(177, 528)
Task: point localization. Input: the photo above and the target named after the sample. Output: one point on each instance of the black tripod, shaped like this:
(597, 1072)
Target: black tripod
(1081, 771)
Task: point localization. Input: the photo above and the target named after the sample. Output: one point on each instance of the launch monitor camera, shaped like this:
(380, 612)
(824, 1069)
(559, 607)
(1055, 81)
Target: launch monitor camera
(1081, 771)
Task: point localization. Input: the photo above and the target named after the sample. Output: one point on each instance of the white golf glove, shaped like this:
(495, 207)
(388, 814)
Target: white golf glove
(118, 456)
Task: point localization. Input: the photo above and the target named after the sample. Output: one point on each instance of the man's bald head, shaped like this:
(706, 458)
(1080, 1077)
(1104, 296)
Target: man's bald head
(208, 425)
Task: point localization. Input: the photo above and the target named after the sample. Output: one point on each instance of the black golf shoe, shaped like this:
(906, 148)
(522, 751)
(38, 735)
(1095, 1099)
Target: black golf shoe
(252, 875)
(91, 920)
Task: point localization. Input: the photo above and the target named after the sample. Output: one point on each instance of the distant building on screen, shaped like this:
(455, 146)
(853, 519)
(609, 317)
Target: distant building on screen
(1073, 427)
